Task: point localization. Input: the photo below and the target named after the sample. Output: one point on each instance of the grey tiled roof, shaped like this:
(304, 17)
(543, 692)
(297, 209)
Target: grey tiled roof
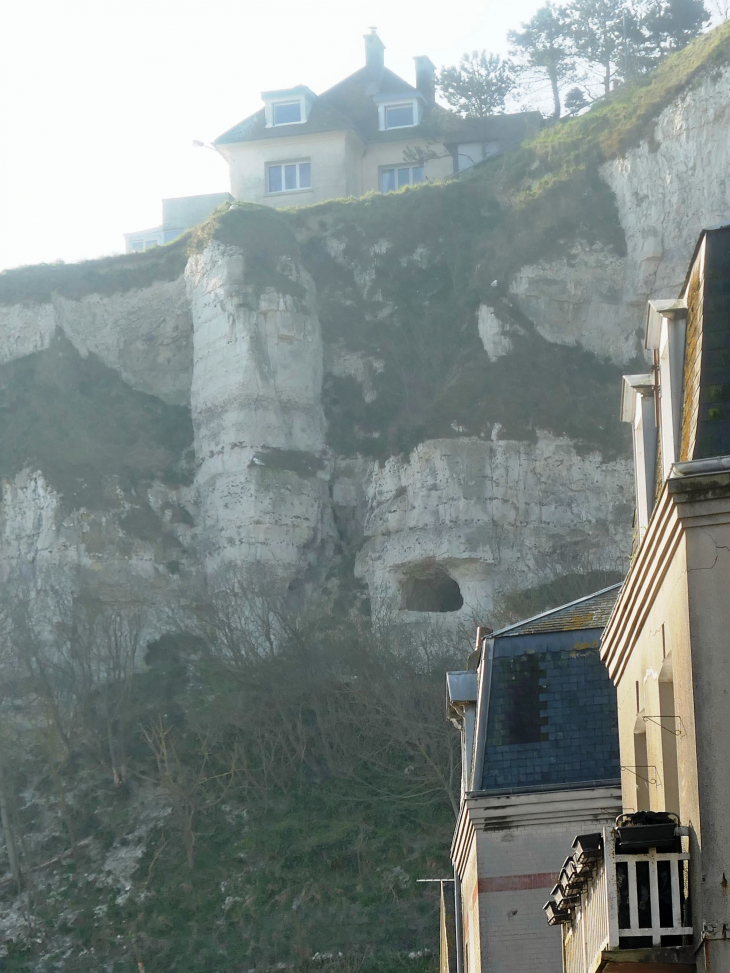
(552, 713)
(350, 105)
(593, 611)
(347, 105)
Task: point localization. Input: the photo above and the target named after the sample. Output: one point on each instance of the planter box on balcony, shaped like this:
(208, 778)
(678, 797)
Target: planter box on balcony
(588, 847)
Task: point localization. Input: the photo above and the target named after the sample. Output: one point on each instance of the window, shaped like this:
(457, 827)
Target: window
(399, 116)
(289, 177)
(396, 177)
(138, 246)
(287, 112)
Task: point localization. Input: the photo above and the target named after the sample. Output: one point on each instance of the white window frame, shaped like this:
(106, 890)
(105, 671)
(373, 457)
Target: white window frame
(383, 114)
(270, 105)
(665, 336)
(395, 167)
(637, 407)
(287, 162)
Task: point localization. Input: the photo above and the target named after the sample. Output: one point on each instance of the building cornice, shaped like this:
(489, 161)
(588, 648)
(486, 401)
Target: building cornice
(686, 501)
(484, 811)
(463, 838)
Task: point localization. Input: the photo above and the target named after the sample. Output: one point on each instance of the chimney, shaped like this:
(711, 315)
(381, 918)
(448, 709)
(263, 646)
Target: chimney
(374, 53)
(426, 78)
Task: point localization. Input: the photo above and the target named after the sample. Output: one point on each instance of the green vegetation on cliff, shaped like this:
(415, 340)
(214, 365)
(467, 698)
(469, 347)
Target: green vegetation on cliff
(78, 422)
(224, 800)
(267, 786)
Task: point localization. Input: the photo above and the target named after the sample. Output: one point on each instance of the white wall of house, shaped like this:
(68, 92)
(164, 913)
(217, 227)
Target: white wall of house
(516, 844)
(379, 155)
(341, 165)
(671, 624)
(334, 158)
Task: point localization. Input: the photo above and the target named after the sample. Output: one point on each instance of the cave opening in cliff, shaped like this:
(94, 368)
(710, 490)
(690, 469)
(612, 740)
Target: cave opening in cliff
(430, 588)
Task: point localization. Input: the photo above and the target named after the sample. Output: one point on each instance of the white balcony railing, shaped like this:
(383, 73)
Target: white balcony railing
(587, 935)
(625, 901)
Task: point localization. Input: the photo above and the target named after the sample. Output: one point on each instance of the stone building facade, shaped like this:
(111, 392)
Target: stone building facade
(661, 903)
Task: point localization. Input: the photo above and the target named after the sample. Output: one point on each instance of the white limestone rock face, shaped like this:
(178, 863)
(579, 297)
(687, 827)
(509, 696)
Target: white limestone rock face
(579, 300)
(494, 516)
(497, 517)
(263, 468)
(43, 543)
(493, 333)
(145, 334)
(667, 189)
(672, 186)
(24, 329)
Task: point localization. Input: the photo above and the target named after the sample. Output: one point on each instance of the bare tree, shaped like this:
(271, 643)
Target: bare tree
(187, 781)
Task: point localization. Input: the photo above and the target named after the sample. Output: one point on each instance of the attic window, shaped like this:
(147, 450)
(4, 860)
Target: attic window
(400, 116)
(287, 112)
(429, 588)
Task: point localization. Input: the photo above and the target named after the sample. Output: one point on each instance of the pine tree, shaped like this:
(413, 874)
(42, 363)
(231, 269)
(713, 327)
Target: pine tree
(605, 33)
(672, 24)
(478, 87)
(544, 43)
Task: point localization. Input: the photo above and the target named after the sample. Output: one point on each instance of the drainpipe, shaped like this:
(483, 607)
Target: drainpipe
(485, 689)
(459, 924)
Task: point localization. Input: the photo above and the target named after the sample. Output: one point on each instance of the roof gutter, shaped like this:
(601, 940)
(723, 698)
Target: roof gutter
(715, 464)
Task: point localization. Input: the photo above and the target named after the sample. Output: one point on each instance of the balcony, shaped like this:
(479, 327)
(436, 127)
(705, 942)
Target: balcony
(623, 898)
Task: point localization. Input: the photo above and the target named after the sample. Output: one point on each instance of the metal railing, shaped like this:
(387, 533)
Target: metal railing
(627, 901)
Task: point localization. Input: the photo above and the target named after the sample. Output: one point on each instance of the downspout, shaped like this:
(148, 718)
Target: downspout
(459, 923)
(485, 689)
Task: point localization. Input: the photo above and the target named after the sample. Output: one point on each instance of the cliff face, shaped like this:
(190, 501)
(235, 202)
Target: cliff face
(413, 397)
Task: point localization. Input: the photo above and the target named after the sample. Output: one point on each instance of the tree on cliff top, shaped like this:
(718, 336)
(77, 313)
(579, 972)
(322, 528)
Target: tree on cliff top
(672, 24)
(544, 44)
(479, 85)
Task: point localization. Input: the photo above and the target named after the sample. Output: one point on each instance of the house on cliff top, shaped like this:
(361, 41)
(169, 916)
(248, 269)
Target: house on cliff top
(373, 131)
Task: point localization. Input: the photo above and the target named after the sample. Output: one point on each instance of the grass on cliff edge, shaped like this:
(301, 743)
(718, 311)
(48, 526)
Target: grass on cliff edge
(618, 122)
(608, 129)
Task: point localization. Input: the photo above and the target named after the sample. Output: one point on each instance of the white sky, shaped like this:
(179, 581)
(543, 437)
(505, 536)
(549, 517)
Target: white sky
(101, 100)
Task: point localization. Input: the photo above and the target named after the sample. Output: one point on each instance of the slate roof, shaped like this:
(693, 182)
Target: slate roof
(552, 716)
(347, 105)
(593, 611)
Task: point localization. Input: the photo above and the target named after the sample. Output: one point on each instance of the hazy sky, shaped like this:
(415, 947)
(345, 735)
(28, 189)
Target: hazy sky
(101, 100)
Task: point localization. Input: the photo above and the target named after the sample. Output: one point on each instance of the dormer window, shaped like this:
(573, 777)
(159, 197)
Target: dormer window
(398, 112)
(400, 116)
(289, 106)
(287, 112)
(665, 336)
(637, 407)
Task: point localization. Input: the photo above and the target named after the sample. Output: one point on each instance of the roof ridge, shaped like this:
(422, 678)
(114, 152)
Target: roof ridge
(553, 611)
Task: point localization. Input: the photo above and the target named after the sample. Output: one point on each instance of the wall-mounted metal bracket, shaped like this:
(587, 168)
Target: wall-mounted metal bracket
(658, 720)
(635, 767)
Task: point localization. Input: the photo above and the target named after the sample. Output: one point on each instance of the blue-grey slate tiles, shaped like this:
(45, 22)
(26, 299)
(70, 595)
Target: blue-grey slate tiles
(552, 713)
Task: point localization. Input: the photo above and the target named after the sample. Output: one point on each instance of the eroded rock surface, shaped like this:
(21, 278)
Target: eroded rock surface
(294, 381)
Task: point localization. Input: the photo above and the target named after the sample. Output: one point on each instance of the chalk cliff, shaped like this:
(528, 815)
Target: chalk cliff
(411, 398)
